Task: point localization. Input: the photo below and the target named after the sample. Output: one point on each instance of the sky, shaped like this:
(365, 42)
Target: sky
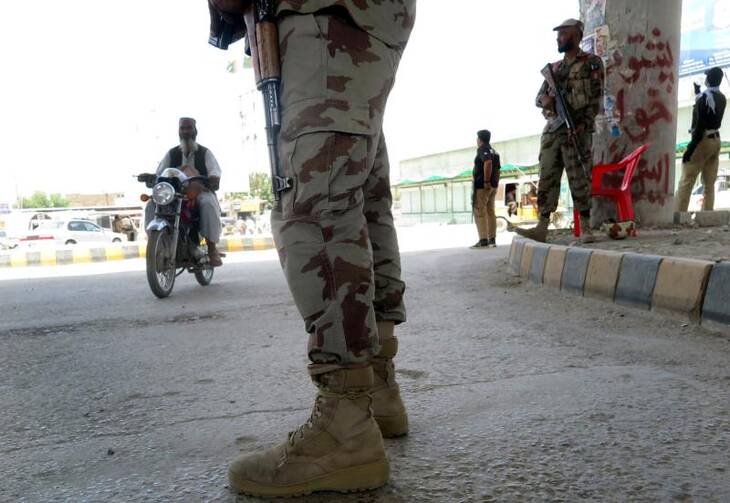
(91, 91)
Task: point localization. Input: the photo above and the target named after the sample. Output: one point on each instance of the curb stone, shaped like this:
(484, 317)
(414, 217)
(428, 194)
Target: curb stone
(694, 289)
(518, 247)
(52, 256)
(637, 279)
(680, 286)
(537, 268)
(526, 259)
(716, 308)
(602, 274)
(575, 269)
(712, 218)
(553, 273)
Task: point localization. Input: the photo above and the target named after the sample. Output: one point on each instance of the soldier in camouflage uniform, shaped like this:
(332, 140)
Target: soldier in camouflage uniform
(336, 240)
(581, 76)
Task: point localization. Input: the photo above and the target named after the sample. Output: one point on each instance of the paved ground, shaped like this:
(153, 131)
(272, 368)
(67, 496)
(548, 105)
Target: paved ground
(515, 393)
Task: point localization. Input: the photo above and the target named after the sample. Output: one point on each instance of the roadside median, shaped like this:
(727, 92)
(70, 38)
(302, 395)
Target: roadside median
(695, 290)
(81, 254)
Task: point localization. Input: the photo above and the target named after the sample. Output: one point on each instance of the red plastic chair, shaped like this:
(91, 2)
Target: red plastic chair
(622, 195)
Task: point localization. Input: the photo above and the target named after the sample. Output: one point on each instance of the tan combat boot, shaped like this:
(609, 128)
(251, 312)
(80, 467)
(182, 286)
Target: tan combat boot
(388, 408)
(538, 233)
(586, 234)
(339, 448)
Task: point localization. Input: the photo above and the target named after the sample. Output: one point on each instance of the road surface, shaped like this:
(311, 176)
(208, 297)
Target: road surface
(514, 392)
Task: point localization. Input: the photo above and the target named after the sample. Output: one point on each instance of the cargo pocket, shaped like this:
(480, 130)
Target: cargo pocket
(328, 159)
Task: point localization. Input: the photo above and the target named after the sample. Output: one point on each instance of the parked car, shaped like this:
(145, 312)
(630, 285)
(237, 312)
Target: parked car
(70, 232)
(722, 195)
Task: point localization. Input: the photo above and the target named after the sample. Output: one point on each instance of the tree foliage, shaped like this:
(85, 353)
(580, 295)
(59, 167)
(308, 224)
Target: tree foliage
(260, 184)
(43, 200)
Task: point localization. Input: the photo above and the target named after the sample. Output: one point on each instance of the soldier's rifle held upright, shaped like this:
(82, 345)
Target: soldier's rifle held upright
(263, 43)
(561, 107)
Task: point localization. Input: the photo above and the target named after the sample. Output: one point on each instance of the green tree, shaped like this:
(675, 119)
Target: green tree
(237, 195)
(42, 200)
(260, 184)
(58, 201)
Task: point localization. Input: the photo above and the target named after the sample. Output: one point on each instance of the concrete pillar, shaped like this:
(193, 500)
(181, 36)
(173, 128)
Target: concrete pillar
(639, 43)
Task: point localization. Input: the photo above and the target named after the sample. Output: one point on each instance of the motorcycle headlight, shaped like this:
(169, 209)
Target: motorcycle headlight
(163, 193)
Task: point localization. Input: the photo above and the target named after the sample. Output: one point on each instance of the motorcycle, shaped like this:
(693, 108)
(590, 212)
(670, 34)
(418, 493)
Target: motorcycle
(174, 244)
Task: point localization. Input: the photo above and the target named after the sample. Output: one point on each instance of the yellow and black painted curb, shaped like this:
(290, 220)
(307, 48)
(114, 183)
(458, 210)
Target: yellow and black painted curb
(695, 290)
(78, 255)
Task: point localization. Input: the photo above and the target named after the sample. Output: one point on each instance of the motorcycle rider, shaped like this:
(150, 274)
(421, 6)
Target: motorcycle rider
(194, 159)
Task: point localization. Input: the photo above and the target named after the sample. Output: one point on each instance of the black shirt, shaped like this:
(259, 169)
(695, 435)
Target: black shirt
(704, 119)
(485, 153)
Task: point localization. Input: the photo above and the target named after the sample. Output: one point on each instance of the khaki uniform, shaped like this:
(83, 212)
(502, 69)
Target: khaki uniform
(485, 215)
(334, 229)
(705, 162)
(703, 151)
(582, 79)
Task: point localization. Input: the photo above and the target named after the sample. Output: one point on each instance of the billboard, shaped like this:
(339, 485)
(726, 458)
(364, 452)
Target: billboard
(705, 36)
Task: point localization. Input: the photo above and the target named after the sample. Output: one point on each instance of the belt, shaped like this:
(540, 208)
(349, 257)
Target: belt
(715, 134)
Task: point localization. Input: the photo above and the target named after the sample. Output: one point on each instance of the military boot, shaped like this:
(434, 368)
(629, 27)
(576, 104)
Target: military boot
(538, 233)
(586, 234)
(388, 409)
(339, 448)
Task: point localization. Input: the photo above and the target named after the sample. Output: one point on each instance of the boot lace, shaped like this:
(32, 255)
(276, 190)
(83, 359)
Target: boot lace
(316, 413)
(299, 433)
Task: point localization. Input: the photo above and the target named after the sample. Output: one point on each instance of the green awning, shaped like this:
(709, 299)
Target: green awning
(506, 169)
(430, 179)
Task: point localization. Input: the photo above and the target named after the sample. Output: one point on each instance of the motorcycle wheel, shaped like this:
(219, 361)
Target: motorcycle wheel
(160, 272)
(204, 275)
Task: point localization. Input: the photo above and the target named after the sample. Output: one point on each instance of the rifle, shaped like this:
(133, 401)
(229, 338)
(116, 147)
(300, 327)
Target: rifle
(263, 46)
(561, 107)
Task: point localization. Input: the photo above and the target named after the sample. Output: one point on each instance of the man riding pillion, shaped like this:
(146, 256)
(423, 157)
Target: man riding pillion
(579, 76)
(194, 159)
(334, 231)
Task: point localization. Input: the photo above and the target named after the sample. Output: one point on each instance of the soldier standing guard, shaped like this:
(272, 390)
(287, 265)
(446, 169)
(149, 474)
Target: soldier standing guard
(580, 76)
(336, 240)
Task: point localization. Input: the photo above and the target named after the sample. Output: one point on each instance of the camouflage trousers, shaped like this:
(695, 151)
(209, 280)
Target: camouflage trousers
(334, 229)
(557, 153)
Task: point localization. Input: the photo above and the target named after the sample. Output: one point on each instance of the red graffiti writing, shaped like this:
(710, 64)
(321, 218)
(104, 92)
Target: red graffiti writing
(647, 117)
(658, 55)
(644, 117)
(652, 176)
(642, 77)
(636, 39)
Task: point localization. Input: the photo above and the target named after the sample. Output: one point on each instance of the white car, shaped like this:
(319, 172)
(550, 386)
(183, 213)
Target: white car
(722, 195)
(70, 232)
